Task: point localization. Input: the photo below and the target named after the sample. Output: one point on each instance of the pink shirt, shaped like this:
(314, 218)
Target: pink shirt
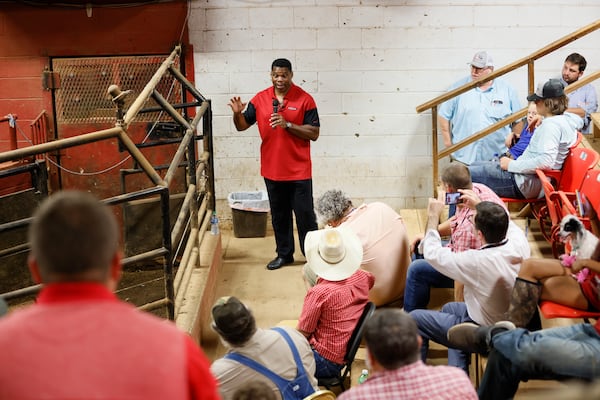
(386, 249)
(414, 381)
(462, 237)
(331, 311)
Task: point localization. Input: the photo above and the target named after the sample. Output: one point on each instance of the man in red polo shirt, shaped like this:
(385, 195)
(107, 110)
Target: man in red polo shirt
(334, 305)
(288, 121)
(79, 341)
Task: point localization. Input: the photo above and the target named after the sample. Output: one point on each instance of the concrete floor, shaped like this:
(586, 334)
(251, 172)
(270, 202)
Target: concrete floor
(278, 295)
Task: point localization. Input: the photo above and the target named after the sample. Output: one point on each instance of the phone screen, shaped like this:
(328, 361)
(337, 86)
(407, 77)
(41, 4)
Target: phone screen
(452, 198)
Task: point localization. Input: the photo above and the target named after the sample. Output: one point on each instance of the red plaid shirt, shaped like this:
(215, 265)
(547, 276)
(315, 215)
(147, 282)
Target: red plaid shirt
(414, 381)
(462, 237)
(331, 311)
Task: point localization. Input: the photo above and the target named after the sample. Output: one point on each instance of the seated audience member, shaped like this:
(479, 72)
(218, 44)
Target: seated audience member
(386, 250)
(517, 144)
(549, 279)
(583, 101)
(396, 370)
(78, 341)
(487, 273)
(334, 305)
(547, 149)
(236, 325)
(519, 355)
(421, 276)
(255, 391)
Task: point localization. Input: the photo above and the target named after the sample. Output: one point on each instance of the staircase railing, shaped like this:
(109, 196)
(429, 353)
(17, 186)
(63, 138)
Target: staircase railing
(529, 62)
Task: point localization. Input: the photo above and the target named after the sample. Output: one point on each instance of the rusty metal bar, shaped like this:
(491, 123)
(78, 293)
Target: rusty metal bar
(164, 104)
(60, 144)
(139, 157)
(187, 84)
(184, 143)
(154, 305)
(39, 131)
(137, 105)
(168, 262)
(178, 228)
(29, 290)
(148, 255)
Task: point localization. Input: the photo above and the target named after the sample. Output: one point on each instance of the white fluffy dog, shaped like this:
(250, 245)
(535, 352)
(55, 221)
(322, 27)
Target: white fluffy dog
(583, 242)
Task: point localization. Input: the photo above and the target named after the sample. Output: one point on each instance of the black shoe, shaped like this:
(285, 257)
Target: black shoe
(474, 338)
(279, 262)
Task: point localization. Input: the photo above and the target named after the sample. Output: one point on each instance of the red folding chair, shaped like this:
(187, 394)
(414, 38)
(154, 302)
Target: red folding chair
(550, 309)
(568, 180)
(585, 203)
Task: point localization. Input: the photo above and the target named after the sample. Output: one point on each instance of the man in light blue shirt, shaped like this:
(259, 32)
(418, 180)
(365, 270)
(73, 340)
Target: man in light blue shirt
(477, 109)
(582, 101)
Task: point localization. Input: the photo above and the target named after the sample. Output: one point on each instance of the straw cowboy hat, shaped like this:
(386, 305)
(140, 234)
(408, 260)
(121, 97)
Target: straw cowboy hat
(333, 254)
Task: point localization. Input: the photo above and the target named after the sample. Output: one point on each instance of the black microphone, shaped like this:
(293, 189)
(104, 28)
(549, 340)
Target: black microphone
(275, 106)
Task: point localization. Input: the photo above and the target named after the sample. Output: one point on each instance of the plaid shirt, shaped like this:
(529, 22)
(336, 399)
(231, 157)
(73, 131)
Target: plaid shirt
(414, 381)
(331, 311)
(462, 237)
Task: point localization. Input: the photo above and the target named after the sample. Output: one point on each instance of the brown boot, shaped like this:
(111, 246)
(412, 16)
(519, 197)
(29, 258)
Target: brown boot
(523, 301)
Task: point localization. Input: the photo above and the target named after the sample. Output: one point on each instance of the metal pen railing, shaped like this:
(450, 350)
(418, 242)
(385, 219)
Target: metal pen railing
(194, 215)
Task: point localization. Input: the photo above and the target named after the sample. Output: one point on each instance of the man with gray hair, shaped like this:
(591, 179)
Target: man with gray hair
(386, 249)
(249, 345)
(397, 372)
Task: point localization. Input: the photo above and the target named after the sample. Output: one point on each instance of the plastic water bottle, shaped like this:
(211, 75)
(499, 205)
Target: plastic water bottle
(363, 376)
(214, 224)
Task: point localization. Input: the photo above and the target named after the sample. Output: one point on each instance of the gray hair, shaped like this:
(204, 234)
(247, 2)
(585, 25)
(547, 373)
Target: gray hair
(331, 206)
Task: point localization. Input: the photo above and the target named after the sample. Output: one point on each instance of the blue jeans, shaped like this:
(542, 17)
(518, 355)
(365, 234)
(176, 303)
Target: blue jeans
(558, 353)
(420, 278)
(325, 368)
(434, 325)
(501, 182)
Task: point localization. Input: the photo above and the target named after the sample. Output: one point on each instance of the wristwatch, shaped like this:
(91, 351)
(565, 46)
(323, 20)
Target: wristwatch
(288, 125)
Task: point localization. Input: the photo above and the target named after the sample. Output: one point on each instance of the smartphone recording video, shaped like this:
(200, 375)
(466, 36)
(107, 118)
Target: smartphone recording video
(452, 198)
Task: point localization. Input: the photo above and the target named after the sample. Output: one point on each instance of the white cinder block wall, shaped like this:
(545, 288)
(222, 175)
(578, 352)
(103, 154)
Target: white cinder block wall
(368, 64)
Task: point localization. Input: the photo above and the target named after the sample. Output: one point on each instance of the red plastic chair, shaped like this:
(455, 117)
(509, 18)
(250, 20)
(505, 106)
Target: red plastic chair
(550, 309)
(568, 180)
(588, 201)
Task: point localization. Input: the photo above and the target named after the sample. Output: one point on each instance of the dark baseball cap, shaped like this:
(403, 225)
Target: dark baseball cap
(230, 315)
(552, 88)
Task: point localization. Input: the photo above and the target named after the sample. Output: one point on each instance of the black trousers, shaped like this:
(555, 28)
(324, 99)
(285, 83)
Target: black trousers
(285, 197)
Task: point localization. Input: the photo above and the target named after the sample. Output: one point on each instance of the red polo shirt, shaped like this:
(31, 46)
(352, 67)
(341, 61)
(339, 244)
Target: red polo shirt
(80, 341)
(283, 156)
